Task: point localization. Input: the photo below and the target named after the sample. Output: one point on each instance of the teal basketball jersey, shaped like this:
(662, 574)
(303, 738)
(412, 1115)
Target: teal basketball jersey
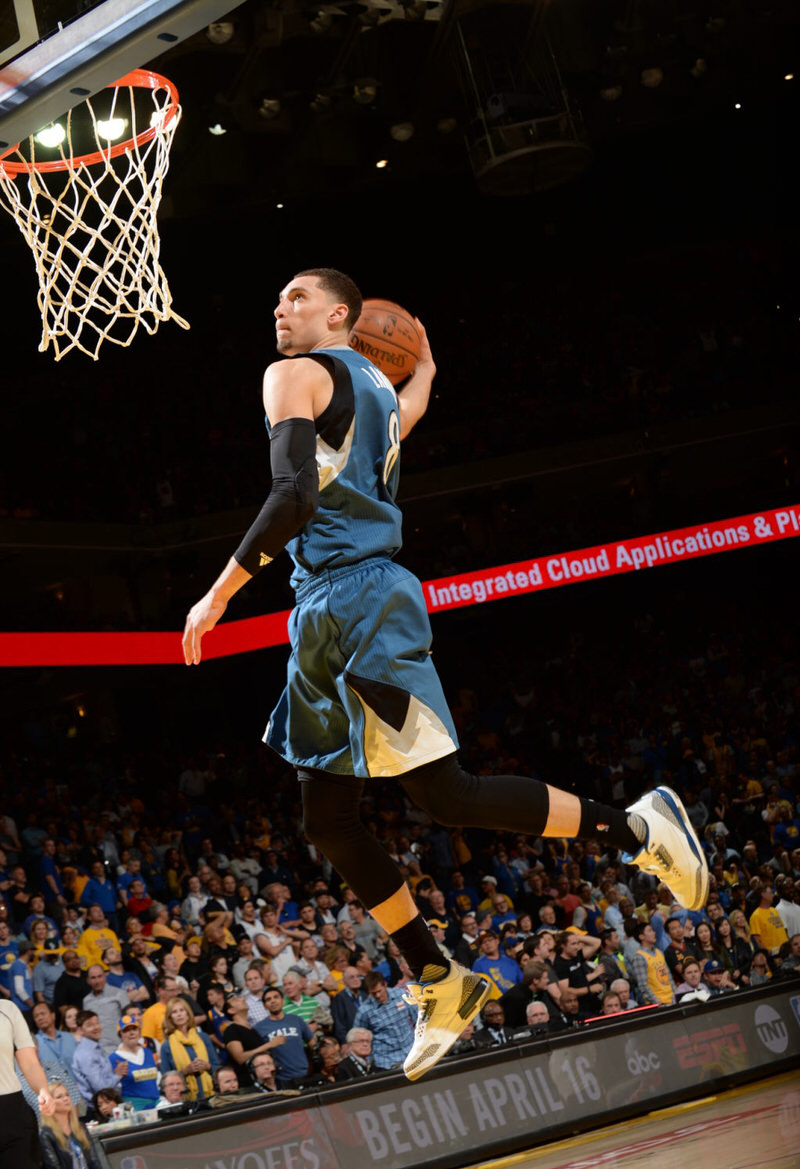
(358, 459)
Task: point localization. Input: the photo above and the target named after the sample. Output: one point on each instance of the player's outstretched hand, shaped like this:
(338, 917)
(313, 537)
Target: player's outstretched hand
(202, 617)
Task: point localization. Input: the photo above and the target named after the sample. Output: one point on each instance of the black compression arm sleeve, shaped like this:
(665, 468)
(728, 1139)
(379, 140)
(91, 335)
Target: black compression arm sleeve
(293, 498)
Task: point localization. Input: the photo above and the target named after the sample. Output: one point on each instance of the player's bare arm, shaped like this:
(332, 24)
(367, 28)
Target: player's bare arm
(295, 393)
(413, 397)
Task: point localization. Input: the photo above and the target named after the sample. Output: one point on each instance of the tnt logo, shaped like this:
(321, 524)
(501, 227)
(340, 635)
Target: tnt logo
(134, 1162)
(772, 1030)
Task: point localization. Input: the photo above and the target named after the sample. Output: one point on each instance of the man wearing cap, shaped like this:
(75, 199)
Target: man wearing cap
(47, 970)
(649, 969)
(503, 971)
(488, 890)
(138, 1084)
(717, 978)
(438, 930)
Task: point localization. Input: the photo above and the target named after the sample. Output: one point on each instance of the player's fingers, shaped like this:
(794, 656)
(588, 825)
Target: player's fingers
(191, 644)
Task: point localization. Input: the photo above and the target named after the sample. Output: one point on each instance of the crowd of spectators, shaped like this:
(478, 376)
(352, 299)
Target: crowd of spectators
(168, 951)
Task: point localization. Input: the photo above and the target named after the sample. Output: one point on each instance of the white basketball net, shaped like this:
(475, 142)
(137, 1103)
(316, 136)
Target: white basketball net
(93, 232)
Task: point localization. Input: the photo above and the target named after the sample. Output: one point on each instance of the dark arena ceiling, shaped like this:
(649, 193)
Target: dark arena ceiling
(502, 98)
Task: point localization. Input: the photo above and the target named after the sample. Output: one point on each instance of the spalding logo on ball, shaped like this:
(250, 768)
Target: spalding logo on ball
(387, 335)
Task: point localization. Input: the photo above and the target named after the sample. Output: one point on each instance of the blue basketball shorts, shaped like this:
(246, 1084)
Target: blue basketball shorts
(362, 695)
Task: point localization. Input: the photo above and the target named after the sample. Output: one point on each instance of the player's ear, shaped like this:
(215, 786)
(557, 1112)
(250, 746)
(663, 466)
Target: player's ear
(337, 314)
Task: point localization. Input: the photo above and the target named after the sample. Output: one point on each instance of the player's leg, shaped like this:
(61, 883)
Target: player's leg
(332, 822)
(655, 833)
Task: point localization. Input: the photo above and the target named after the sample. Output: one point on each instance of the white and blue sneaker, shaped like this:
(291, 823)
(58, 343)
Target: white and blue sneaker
(671, 851)
(445, 1009)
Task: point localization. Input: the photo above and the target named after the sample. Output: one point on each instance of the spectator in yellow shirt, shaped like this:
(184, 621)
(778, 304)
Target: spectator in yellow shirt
(766, 926)
(96, 939)
(166, 988)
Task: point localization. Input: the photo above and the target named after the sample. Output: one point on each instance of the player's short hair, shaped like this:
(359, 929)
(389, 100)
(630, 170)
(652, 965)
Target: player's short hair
(338, 284)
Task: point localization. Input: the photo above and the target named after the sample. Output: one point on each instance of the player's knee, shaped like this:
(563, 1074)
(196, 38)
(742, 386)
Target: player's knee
(437, 787)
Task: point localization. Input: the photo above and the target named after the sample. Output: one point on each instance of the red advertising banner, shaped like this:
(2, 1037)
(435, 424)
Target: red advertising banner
(470, 588)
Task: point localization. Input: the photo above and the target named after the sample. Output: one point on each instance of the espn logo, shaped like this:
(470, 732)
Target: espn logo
(711, 1046)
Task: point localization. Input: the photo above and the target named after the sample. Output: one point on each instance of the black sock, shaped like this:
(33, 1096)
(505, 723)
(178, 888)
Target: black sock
(416, 943)
(599, 822)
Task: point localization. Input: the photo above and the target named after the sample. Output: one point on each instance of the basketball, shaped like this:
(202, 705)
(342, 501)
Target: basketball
(387, 335)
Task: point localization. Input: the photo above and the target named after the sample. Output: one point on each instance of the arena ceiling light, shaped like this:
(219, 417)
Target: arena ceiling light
(220, 32)
(51, 136)
(112, 128)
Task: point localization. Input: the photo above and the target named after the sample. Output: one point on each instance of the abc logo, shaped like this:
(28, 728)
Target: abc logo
(771, 1029)
(640, 1065)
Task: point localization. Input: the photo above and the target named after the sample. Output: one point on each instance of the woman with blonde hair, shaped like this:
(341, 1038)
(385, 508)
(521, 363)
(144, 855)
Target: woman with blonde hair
(40, 932)
(186, 1050)
(337, 959)
(65, 1144)
(741, 928)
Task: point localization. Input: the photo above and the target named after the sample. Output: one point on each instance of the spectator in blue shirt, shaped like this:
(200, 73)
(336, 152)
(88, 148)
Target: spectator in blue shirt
(91, 1066)
(99, 890)
(37, 913)
(390, 1018)
(462, 898)
(55, 1047)
(20, 980)
(502, 970)
(47, 970)
(50, 880)
(291, 1057)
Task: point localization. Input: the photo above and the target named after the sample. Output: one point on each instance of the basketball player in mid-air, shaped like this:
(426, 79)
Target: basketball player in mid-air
(362, 696)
